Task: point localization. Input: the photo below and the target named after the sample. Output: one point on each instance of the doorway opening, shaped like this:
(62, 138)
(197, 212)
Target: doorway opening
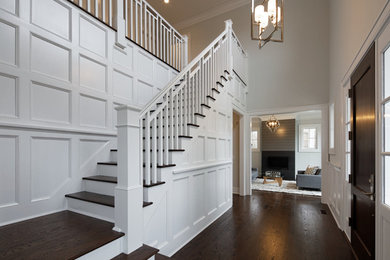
(287, 159)
(236, 152)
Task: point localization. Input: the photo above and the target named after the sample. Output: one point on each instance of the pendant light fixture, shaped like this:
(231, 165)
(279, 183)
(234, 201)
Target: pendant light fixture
(267, 21)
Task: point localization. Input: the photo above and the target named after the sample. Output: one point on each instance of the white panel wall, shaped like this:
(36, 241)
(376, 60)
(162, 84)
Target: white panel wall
(199, 189)
(61, 77)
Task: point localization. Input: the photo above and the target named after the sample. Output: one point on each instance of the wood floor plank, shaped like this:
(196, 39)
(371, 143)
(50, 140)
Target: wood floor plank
(63, 235)
(270, 225)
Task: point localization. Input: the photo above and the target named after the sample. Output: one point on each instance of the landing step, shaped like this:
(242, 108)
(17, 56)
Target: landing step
(143, 253)
(102, 178)
(93, 197)
(62, 235)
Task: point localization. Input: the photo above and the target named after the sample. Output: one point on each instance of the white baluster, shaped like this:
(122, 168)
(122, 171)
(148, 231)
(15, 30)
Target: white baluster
(147, 149)
(171, 120)
(154, 150)
(160, 138)
(166, 133)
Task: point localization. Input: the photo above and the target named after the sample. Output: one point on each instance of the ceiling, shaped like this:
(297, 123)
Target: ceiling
(180, 12)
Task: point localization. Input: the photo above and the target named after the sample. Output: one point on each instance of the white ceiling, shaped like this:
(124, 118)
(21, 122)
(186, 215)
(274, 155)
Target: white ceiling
(181, 13)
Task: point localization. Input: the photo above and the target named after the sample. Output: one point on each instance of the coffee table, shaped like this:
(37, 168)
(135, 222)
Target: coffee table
(276, 179)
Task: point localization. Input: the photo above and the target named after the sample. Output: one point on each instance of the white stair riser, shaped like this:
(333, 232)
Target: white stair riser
(113, 156)
(109, 170)
(105, 188)
(107, 251)
(91, 209)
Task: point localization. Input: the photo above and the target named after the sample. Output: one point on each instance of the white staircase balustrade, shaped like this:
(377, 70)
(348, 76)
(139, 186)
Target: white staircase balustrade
(167, 118)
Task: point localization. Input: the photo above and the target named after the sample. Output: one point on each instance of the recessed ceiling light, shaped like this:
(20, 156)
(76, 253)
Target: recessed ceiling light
(166, 1)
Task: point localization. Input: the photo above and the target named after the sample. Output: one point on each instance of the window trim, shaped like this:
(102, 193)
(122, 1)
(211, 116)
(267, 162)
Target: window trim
(256, 129)
(318, 137)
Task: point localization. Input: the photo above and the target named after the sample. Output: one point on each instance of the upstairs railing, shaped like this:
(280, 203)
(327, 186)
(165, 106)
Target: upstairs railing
(143, 25)
(169, 115)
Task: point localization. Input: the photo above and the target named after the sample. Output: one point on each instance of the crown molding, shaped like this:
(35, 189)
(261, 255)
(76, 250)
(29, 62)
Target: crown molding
(211, 13)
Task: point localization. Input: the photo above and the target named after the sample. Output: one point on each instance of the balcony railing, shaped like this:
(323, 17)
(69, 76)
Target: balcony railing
(143, 25)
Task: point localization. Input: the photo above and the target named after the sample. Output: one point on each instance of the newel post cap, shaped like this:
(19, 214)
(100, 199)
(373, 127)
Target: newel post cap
(228, 24)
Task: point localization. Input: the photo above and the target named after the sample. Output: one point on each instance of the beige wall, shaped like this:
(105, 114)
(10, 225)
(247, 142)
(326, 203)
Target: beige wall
(293, 73)
(350, 24)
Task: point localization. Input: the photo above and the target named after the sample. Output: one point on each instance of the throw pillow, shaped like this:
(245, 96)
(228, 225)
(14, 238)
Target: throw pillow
(311, 170)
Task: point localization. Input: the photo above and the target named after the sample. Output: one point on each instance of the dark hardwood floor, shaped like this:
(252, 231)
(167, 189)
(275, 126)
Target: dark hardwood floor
(63, 235)
(271, 225)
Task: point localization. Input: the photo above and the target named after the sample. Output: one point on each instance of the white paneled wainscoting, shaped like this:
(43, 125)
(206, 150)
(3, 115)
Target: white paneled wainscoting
(83, 114)
(60, 82)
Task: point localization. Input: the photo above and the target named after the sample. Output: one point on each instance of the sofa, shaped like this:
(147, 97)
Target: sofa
(307, 181)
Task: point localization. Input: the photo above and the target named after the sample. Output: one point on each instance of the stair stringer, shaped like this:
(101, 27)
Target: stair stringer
(193, 195)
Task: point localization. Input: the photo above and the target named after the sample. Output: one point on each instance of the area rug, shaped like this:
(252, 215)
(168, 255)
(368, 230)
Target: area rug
(287, 187)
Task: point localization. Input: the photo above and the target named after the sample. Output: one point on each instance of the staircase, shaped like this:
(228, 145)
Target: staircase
(165, 124)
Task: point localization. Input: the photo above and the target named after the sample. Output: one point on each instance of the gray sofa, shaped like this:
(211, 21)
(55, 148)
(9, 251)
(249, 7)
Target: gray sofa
(306, 181)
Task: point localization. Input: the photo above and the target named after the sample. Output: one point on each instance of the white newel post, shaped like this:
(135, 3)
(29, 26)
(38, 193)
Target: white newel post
(129, 190)
(229, 29)
(120, 24)
(185, 51)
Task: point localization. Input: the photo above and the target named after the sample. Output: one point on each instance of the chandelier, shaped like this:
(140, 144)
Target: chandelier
(267, 21)
(272, 124)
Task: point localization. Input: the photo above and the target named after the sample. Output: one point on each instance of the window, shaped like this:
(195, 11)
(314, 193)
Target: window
(255, 142)
(309, 138)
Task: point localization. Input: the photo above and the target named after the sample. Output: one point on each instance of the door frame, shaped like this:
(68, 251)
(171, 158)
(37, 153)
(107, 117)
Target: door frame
(375, 33)
(324, 108)
(245, 155)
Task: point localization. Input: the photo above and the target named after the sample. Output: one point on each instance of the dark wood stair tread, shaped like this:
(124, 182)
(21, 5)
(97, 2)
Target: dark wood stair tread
(145, 204)
(102, 178)
(223, 77)
(216, 90)
(180, 136)
(210, 97)
(227, 72)
(107, 163)
(61, 235)
(161, 257)
(219, 83)
(163, 166)
(194, 125)
(97, 198)
(199, 114)
(154, 184)
(204, 105)
(169, 150)
(143, 253)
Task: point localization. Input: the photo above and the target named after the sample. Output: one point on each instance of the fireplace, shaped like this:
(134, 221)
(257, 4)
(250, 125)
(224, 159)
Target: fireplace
(283, 161)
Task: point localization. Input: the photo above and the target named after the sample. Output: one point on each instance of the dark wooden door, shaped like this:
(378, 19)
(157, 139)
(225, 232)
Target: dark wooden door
(363, 157)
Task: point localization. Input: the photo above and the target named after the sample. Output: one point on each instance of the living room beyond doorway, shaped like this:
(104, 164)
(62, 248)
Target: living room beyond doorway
(286, 153)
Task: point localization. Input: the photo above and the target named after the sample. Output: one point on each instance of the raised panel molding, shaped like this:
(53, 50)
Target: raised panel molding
(145, 92)
(93, 37)
(56, 63)
(123, 58)
(180, 204)
(50, 166)
(93, 74)
(9, 175)
(122, 85)
(211, 192)
(8, 39)
(211, 148)
(60, 25)
(50, 104)
(198, 198)
(144, 65)
(88, 149)
(10, 6)
(93, 111)
(9, 96)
